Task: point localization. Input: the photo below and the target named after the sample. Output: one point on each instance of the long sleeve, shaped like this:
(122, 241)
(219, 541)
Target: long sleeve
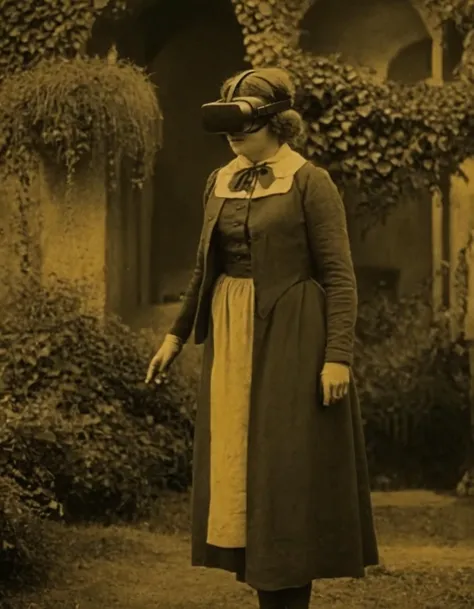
(330, 250)
(184, 322)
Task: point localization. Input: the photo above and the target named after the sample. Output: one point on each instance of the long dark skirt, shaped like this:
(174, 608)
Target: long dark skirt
(309, 512)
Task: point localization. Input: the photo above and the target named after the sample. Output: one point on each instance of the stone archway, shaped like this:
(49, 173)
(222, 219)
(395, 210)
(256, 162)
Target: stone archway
(368, 33)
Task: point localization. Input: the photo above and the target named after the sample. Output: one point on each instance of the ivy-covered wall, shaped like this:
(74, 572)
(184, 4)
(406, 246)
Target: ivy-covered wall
(384, 137)
(68, 123)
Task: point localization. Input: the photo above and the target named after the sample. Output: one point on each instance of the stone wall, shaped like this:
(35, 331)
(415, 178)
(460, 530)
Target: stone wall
(68, 231)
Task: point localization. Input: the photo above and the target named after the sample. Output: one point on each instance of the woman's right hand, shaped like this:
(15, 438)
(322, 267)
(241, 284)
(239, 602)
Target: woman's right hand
(164, 357)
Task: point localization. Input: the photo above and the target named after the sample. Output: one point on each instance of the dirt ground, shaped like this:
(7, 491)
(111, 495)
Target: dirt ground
(426, 543)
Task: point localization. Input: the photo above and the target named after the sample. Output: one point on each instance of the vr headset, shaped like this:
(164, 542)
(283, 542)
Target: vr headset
(240, 114)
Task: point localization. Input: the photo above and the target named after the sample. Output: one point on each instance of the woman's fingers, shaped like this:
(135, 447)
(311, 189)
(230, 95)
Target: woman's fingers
(340, 391)
(161, 362)
(154, 368)
(333, 392)
(150, 373)
(326, 391)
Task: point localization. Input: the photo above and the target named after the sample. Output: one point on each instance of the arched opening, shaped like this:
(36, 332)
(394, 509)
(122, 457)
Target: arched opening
(366, 33)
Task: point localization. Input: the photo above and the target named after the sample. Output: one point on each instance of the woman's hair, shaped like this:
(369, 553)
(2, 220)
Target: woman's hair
(288, 126)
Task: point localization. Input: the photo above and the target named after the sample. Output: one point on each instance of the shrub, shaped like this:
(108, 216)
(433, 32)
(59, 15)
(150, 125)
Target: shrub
(80, 424)
(81, 436)
(414, 385)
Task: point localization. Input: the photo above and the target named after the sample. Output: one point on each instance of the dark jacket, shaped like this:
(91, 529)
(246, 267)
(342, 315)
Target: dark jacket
(305, 236)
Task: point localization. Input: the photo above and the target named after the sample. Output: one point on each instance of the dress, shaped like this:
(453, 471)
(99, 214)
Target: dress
(280, 484)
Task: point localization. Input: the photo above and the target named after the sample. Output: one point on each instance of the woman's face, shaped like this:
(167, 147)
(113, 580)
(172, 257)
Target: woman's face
(255, 146)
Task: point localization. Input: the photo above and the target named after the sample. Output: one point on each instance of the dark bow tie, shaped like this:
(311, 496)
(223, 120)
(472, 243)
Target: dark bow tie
(246, 178)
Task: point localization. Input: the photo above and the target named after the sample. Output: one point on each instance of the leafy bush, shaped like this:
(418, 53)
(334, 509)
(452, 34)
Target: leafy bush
(414, 385)
(80, 425)
(81, 436)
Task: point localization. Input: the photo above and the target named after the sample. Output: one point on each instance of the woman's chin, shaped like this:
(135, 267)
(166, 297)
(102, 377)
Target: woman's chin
(236, 147)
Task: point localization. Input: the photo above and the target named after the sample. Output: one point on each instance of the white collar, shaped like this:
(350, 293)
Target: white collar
(284, 164)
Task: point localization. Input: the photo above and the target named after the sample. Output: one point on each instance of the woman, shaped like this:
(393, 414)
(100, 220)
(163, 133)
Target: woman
(280, 492)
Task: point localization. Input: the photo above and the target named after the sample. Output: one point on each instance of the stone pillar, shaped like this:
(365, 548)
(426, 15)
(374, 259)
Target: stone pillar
(74, 231)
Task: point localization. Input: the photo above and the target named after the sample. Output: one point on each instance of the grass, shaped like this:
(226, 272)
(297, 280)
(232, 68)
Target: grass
(426, 543)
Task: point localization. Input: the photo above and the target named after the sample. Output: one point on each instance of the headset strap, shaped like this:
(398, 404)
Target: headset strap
(238, 81)
(274, 107)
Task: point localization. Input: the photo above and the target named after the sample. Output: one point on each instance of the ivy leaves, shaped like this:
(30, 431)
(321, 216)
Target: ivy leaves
(459, 11)
(32, 31)
(384, 137)
(76, 418)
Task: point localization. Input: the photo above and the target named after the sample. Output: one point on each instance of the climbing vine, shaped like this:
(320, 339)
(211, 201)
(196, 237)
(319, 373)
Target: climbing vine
(387, 138)
(460, 307)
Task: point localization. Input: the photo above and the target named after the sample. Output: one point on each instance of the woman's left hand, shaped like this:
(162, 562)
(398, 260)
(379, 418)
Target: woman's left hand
(335, 379)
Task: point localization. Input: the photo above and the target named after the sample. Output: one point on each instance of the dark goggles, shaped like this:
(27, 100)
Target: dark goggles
(240, 115)
(237, 114)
